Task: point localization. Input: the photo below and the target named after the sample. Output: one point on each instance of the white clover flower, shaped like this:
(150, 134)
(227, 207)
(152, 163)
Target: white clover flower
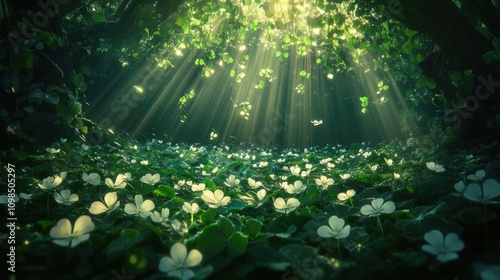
(231, 181)
(162, 217)
(179, 262)
(489, 190)
(25, 196)
(345, 176)
(378, 207)
(295, 170)
(389, 162)
(444, 248)
(110, 204)
(92, 178)
(345, 196)
(141, 207)
(144, 162)
(119, 183)
(397, 175)
(263, 164)
(198, 187)
(191, 208)
(64, 234)
(253, 184)
(50, 182)
(254, 199)
(53, 151)
(325, 161)
(179, 227)
(286, 207)
(324, 182)
(373, 167)
(296, 188)
(150, 179)
(305, 173)
(127, 176)
(435, 167)
(215, 199)
(336, 229)
(65, 197)
(478, 176)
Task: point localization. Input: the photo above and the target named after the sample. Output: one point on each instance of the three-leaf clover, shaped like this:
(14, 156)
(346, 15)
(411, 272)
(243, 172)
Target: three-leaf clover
(336, 228)
(444, 248)
(179, 262)
(64, 234)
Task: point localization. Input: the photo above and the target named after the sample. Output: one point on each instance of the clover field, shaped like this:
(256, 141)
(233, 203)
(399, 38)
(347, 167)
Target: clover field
(155, 210)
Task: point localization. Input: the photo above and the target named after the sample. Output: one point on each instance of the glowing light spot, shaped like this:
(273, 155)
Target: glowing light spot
(213, 135)
(138, 89)
(329, 76)
(316, 122)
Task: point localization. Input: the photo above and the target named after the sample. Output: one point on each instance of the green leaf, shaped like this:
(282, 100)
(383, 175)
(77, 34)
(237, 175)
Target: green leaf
(237, 244)
(286, 39)
(408, 47)
(211, 242)
(253, 227)
(310, 196)
(78, 79)
(165, 191)
(209, 184)
(36, 96)
(127, 239)
(236, 204)
(82, 86)
(226, 226)
(208, 216)
(52, 97)
(410, 32)
(39, 46)
(98, 18)
(431, 84)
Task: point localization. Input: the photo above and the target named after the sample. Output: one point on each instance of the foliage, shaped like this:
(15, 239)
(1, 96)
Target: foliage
(242, 236)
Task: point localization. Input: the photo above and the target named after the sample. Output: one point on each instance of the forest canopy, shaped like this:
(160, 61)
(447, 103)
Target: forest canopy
(441, 56)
